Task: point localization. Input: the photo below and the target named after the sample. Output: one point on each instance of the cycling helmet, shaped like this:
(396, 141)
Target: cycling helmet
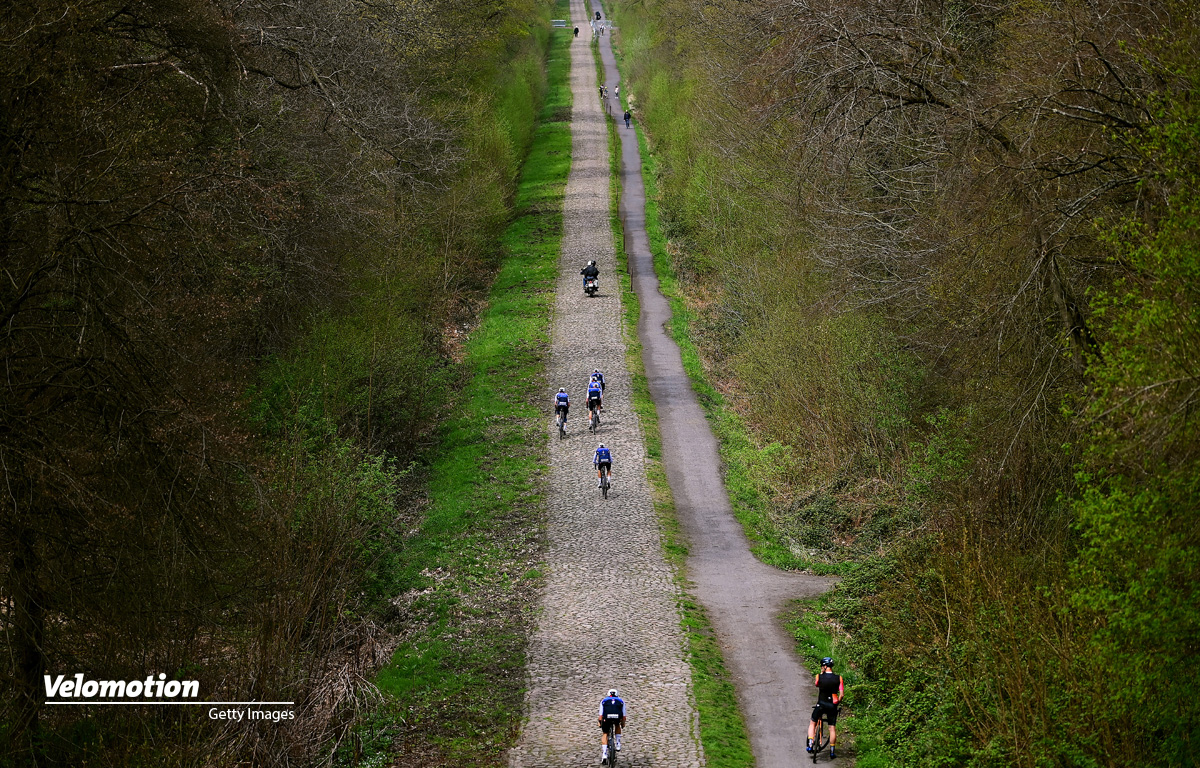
(613, 692)
(591, 263)
(562, 389)
(601, 445)
(827, 662)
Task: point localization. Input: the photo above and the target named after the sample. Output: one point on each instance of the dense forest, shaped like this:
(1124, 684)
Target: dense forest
(944, 269)
(238, 241)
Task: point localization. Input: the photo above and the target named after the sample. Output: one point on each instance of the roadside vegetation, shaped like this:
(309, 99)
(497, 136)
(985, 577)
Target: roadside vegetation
(244, 250)
(469, 577)
(939, 267)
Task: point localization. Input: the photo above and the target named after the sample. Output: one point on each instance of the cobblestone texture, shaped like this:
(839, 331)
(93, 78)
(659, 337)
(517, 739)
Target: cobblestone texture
(609, 616)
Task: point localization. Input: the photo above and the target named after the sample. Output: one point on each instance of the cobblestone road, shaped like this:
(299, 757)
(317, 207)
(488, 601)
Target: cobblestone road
(608, 615)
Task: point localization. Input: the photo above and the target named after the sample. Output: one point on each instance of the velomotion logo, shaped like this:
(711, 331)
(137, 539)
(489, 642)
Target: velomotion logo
(63, 687)
(77, 689)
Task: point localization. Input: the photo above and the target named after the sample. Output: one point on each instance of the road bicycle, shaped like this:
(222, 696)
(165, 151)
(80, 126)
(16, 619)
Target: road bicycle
(820, 739)
(561, 421)
(604, 481)
(593, 418)
(611, 732)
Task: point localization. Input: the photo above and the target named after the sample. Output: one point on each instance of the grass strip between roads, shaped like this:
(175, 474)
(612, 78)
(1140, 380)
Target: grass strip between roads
(722, 728)
(466, 611)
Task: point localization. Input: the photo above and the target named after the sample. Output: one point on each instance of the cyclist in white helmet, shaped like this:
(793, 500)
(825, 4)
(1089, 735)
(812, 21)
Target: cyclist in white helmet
(562, 403)
(602, 461)
(612, 718)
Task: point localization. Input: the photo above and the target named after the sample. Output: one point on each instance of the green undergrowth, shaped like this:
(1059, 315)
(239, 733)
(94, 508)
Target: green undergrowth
(470, 576)
(722, 728)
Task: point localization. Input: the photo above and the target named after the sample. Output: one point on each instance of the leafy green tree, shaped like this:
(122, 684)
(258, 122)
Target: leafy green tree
(1138, 572)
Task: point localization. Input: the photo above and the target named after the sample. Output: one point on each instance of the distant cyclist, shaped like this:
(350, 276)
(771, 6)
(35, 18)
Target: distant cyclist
(611, 705)
(589, 271)
(598, 377)
(602, 461)
(562, 403)
(595, 394)
(830, 689)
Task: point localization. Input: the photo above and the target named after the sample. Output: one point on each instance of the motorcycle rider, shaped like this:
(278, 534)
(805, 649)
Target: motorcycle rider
(590, 271)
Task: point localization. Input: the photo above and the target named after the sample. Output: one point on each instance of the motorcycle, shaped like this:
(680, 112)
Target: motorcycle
(590, 286)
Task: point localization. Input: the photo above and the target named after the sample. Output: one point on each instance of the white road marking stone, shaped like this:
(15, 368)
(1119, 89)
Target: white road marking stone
(609, 615)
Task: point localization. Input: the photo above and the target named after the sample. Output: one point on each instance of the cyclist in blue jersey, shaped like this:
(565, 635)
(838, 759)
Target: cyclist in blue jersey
(562, 402)
(595, 394)
(602, 461)
(598, 377)
(612, 710)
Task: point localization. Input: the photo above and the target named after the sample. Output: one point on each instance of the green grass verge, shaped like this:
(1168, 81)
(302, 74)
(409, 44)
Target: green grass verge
(722, 728)
(470, 575)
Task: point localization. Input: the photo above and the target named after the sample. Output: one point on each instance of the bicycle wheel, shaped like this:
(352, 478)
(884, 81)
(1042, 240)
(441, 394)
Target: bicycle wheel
(612, 745)
(819, 738)
(604, 483)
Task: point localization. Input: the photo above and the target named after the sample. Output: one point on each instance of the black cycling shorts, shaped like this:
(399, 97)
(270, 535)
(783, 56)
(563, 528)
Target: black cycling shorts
(593, 402)
(829, 708)
(562, 408)
(606, 725)
(606, 465)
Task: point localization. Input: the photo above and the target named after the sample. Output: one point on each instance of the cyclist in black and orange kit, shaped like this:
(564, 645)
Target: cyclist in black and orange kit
(830, 689)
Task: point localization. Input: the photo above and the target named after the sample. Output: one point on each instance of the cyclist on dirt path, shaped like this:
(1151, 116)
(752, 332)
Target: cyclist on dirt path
(612, 704)
(830, 690)
(602, 461)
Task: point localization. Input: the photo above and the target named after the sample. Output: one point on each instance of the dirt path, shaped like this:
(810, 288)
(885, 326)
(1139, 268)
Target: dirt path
(608, 614)
(743, 596)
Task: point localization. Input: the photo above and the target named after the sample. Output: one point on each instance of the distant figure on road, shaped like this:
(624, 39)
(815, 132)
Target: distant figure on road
(576, 31)
(617, 93)
(628, 117)
(562, 403)
(597, 15)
